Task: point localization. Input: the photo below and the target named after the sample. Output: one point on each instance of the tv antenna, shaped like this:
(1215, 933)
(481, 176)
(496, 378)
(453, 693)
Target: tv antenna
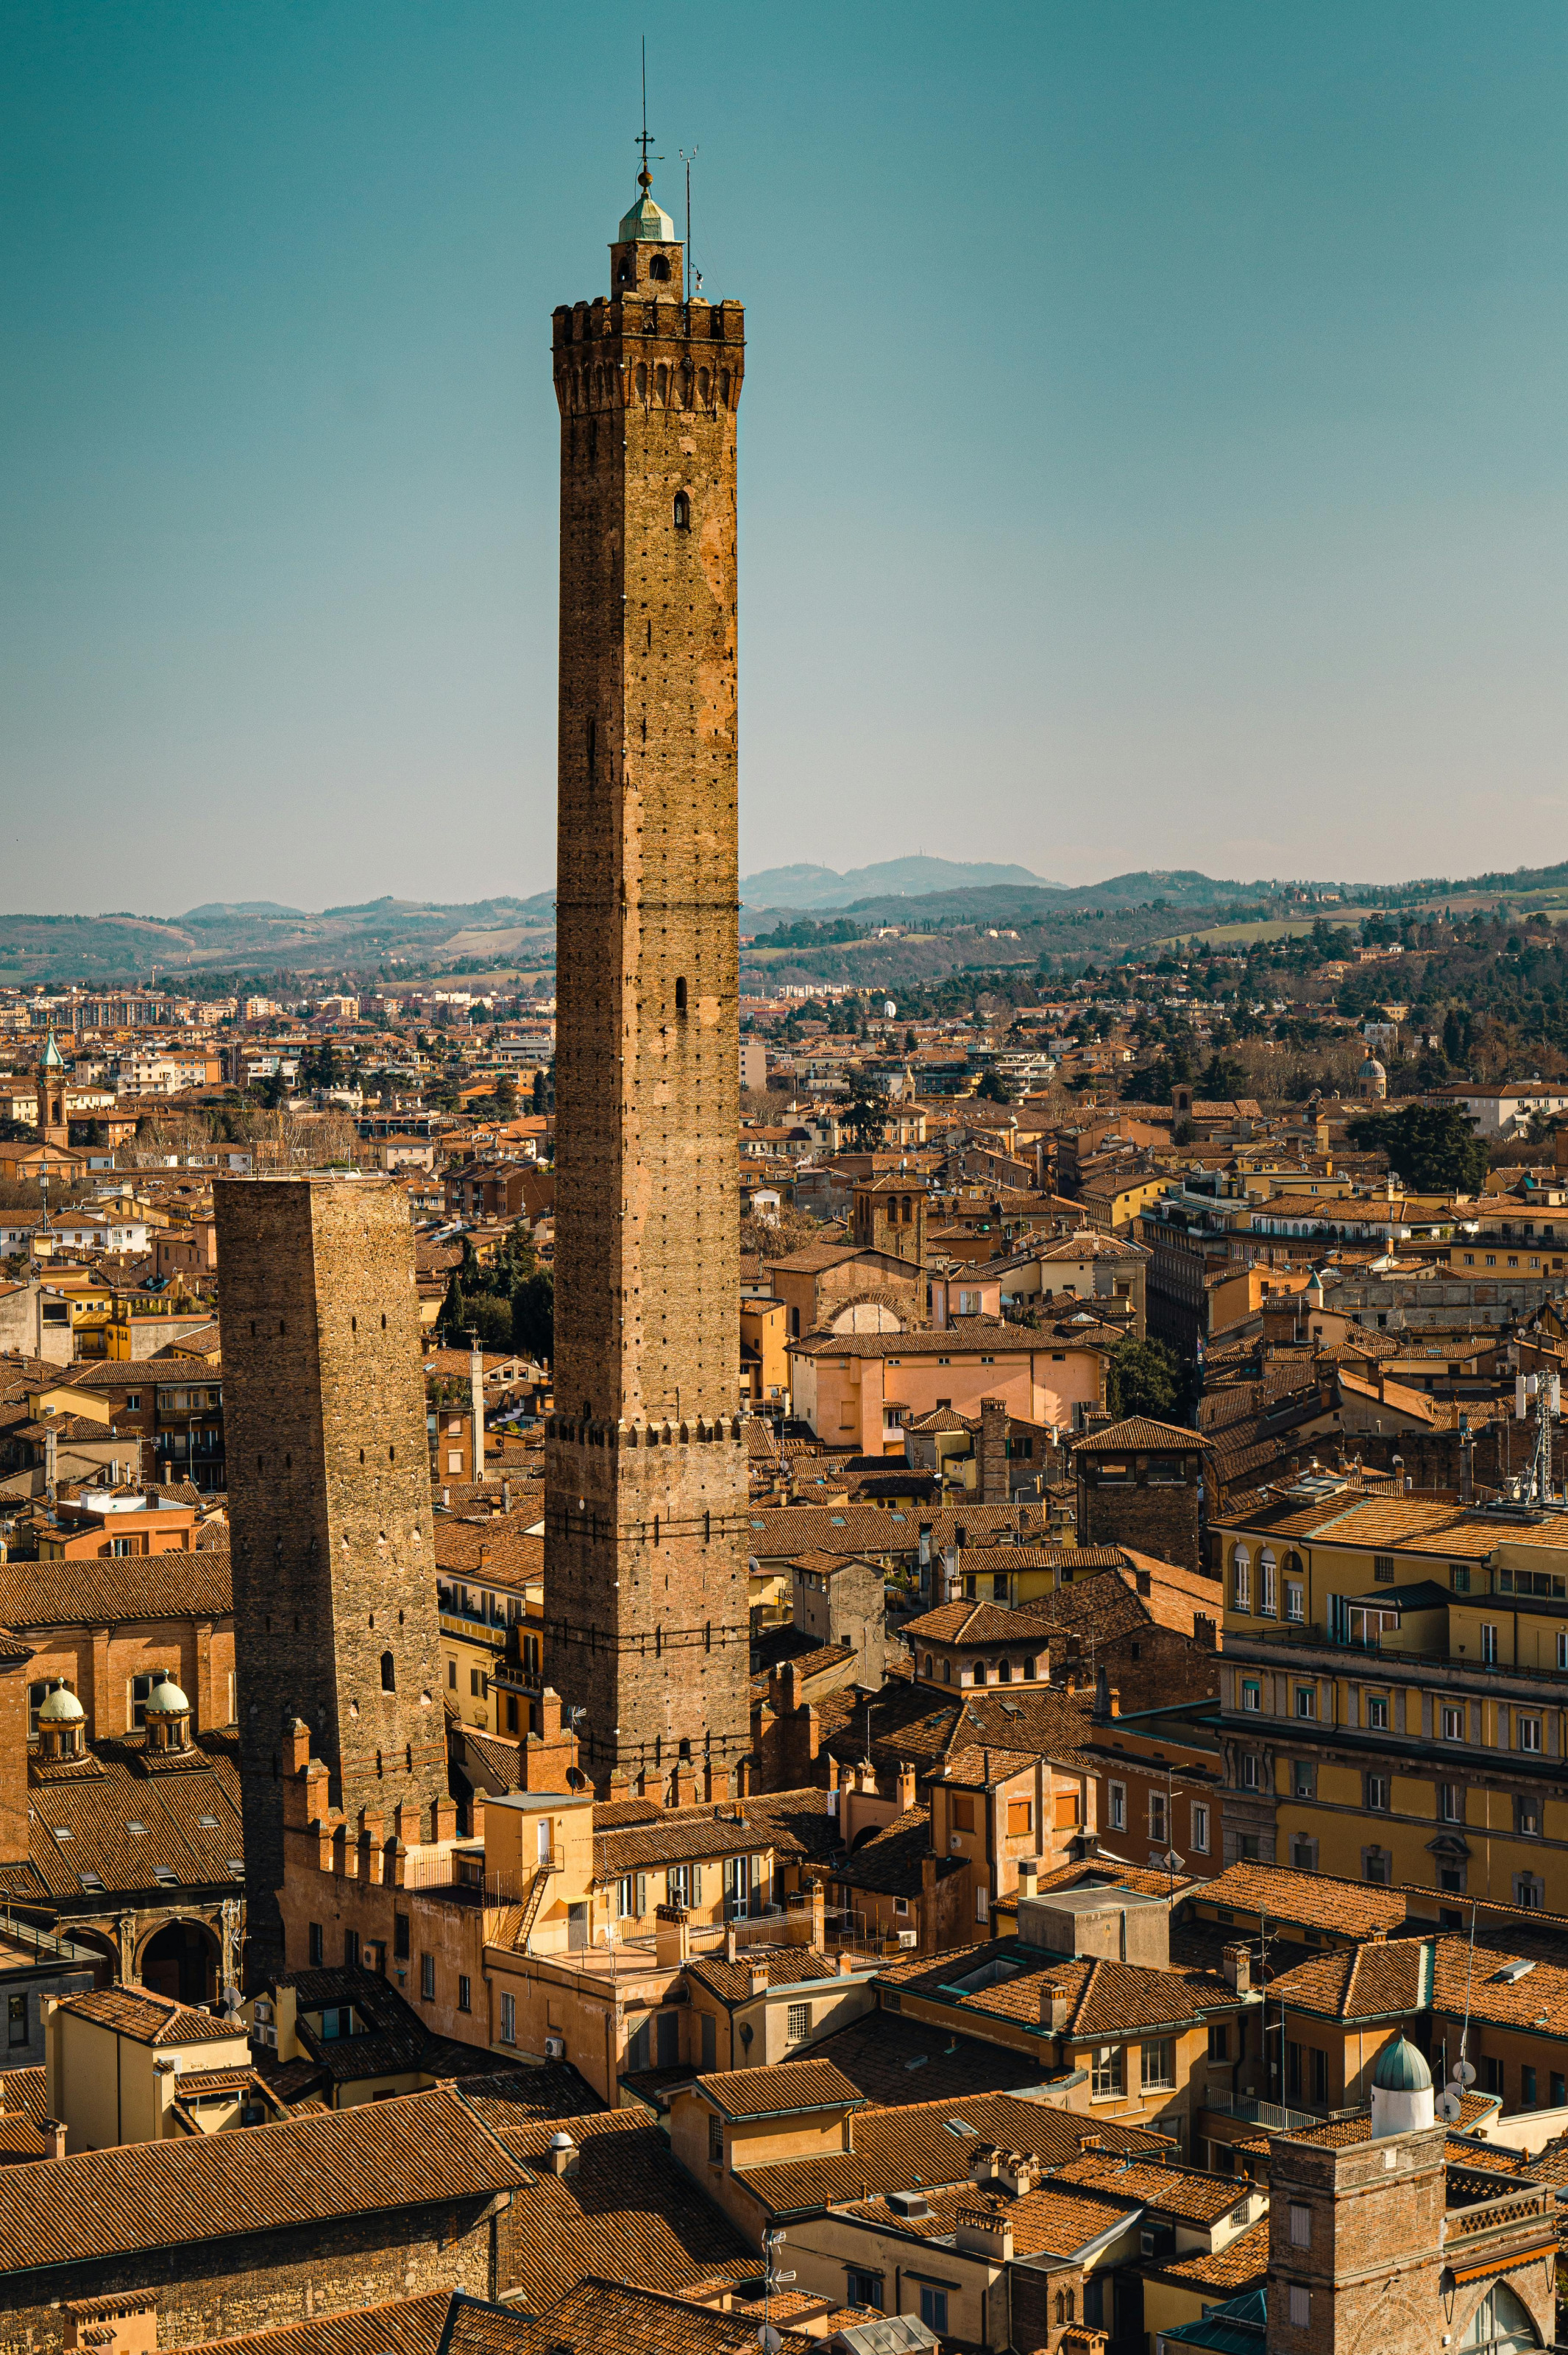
(693, 273)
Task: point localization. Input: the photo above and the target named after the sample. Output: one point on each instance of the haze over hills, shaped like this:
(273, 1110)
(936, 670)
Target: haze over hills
(961, 902)
(811, 886)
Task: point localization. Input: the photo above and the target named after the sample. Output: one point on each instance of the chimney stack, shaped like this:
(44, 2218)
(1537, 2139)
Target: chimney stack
(1237, 1963)
(53, 2133)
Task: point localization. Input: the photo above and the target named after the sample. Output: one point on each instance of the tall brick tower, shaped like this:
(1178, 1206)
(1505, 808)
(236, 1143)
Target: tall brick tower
(331, 1534)
(646, 1488)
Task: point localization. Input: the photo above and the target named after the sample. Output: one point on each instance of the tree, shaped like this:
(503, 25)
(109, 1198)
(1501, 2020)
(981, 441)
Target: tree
(487, 1317)
(994, 1089)
(533, 1315)
(507, 1098)
(1434, 1148)
(1222, 1080)
(1144, 1378)
(865, 1118)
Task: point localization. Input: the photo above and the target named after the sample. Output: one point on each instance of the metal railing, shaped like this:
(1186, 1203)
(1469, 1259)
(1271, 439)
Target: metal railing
(1276, 2114)
(1395, 1654)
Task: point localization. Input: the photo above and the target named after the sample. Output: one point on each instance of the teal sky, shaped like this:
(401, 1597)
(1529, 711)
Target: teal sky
(1153, 442)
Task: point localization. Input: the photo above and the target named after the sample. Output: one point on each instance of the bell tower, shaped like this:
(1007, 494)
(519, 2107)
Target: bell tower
(53, 1124)
(646, 1519)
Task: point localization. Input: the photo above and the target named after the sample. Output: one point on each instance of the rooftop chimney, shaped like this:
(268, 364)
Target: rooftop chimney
(53, 2133)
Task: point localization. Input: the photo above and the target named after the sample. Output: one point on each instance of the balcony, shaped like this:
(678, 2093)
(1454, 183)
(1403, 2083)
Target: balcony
(1392, 1654)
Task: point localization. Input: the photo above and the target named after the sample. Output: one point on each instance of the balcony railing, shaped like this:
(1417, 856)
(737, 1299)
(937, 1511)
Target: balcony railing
(1274, 2114)
(1395, 1654)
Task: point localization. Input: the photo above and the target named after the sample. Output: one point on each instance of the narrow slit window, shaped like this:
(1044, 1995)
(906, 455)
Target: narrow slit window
(680, 994)
(389, 1674)
(682, 512)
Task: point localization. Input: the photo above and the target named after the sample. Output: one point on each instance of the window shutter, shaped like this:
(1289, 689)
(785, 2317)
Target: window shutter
(642, 1894)
(697, 1884)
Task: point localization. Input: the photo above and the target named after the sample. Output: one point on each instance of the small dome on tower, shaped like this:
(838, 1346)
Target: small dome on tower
(1401, 2069)
(1372, 1070)
(166, 1699)
(646, 225)
(62, 1707)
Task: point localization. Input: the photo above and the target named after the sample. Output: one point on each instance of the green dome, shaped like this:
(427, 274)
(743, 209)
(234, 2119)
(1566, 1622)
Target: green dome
(647, 224)
(1401, 2069)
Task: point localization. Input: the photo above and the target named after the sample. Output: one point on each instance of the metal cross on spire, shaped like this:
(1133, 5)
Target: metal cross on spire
(644, 137)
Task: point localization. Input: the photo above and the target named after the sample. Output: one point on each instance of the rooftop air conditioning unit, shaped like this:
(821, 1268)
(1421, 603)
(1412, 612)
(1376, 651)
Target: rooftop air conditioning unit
(555, 2048)
(263, 2033)
(954, 1842)
(908, 1937)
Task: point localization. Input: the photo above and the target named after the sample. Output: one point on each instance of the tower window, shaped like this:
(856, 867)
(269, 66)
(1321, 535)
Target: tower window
(389, 1674)
(680, 995)
(682, 512)
(658, 268)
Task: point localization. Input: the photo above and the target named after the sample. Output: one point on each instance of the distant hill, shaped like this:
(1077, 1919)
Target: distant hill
(823, 887)
(261, 937)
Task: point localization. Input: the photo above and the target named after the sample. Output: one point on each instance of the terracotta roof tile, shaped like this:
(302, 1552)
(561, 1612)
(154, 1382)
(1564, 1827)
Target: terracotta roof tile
(1241, 2264)
(1136, 1431)
(973, 1623)
(158, 2196)
(779, 2092)
(148, 2019)
(412, 2325)
(921, 2141)
(104, 1591)
(629, 2209)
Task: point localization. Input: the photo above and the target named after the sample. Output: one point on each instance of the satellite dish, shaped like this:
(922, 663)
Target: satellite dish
(1449, 2105)
(768, 2340)
(1464, 2072)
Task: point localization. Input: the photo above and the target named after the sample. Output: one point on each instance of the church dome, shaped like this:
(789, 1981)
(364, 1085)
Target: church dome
(1372, 1070)
(166, 1699)
(1401, 2069)
(645, 224)
(61, 1707)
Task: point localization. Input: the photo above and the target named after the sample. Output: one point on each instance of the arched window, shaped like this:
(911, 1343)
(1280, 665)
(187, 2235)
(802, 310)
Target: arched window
(1500, 2325)
(1268, 1584)
(659, 268)
(682, 512)
(389, 1674)
(948, 1672)
(1242, 1579)
(1007, 1672)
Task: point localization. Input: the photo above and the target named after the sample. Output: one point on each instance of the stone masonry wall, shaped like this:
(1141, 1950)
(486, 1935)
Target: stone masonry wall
(331, 1534)
(223, 2289)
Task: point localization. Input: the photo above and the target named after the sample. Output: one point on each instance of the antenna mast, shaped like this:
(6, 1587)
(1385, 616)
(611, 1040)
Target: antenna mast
(694, 275)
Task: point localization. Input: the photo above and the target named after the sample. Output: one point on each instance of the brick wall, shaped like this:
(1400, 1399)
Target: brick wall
(1157, 1518)
(222, 2289)
(646, 1544)
(332, 1541)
